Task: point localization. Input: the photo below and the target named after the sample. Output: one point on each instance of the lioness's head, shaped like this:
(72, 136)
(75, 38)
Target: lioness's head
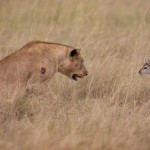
(73, 65)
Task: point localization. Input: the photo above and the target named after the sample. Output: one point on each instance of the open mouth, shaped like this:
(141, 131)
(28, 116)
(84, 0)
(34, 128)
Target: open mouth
(75, 77)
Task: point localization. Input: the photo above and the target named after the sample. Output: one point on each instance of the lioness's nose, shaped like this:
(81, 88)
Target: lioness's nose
(86, 73)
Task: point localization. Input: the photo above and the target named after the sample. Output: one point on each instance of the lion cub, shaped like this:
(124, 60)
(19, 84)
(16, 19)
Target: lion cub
(145, 69)
(35, 64)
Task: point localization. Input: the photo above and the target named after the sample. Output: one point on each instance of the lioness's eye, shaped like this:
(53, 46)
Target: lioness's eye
(145, 67)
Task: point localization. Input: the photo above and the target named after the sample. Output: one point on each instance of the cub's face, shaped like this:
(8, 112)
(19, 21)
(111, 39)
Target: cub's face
(145, 69)
(73, 65)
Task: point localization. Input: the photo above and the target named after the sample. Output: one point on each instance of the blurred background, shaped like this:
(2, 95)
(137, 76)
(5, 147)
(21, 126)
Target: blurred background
(107, 110)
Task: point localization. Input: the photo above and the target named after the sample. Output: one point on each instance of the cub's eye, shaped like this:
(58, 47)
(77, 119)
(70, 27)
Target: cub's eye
(145, 67)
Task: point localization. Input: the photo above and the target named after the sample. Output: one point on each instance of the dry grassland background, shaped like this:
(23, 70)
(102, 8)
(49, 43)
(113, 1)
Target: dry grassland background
(110, 108)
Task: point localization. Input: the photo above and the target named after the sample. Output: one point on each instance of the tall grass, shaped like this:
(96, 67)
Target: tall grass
(110, 109)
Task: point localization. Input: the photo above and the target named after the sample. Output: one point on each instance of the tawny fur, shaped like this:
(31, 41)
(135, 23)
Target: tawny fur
(35, 64)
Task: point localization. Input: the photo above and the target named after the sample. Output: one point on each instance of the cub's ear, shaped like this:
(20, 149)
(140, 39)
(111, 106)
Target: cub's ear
(75, 52)
(148, 61)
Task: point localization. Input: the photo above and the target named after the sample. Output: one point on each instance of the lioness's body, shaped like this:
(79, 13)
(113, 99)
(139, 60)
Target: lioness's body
(35, 63)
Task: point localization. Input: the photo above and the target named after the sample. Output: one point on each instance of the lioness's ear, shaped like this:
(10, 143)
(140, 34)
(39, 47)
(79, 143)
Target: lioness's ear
(74, 52)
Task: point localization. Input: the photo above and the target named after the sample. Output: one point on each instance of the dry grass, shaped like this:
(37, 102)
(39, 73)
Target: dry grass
(110, 109)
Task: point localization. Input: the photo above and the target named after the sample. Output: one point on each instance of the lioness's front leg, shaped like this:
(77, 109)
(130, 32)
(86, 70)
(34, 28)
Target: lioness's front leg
(43, 93)
(46, 93)
(47, 98)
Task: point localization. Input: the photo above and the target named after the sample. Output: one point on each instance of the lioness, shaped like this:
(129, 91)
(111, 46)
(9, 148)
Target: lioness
(36, 63)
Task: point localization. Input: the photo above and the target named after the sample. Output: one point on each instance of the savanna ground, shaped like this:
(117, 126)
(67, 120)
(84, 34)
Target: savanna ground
(110, 109)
